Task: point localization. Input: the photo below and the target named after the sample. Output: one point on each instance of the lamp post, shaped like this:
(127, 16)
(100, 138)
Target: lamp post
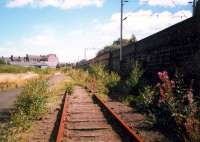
(121, 27)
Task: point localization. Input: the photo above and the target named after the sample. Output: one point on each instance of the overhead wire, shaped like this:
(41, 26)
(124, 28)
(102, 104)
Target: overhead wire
(174, 3)
(157, 15)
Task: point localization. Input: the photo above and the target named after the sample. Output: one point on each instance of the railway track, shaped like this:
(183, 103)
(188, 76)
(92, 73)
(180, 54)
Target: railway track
(87, 119)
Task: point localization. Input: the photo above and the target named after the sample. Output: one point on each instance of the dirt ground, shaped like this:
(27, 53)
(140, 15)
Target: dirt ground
(43, 130)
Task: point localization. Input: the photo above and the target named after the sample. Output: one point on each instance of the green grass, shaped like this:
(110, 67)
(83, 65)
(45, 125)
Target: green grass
(13, 69)
(69, 88)
(20, 69)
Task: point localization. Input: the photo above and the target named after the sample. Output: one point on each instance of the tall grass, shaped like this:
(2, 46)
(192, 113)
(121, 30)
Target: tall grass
(96, 79)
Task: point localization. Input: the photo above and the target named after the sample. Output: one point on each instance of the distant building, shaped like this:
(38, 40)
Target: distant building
(52, 60)
(41, 61)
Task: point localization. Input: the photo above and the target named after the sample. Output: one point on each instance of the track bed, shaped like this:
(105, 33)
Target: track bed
(137, 122)
(84, 121)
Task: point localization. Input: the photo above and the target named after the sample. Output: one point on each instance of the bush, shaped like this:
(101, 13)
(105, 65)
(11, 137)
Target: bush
(134, 83)
(128, 99)
(32, 102)
(112, 80)
(175, 110)
(69, 88)
(147, 97)
(142, 102)
(135, 75)
(20, 120)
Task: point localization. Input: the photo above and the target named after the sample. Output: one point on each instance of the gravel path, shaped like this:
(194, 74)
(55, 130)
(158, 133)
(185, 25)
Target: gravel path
(7, 99)
(137, 122)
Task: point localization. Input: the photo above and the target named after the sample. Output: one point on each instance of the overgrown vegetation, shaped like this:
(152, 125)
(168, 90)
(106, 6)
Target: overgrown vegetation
(96, 79)
(103, 78)
(30, 106)
(170, 104)
(69, 87)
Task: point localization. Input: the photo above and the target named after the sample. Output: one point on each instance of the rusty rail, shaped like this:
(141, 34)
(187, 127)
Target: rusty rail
(63, 115)
(129, 132)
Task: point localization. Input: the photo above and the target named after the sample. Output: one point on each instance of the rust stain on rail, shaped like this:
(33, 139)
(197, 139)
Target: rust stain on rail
(61, 124)
(133, 134)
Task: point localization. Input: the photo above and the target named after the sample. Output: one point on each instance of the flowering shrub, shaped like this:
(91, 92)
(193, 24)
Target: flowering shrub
(144, 101)
(175, 109)
(165, 86)
(147, 96)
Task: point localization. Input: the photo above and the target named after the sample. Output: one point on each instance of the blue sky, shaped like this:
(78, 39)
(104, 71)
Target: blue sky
(67, 27)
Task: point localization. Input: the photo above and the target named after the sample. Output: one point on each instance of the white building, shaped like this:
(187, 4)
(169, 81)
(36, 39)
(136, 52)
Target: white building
(41, 61)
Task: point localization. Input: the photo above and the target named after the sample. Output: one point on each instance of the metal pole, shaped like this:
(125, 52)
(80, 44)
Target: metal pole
(121, 30)
(194, 7)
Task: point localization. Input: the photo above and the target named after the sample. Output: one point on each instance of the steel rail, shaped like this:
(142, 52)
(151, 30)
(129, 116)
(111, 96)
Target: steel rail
(133, 136)
(60, 133)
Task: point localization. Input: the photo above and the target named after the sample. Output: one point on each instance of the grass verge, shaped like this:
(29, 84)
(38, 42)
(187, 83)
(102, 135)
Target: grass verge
(30, 106)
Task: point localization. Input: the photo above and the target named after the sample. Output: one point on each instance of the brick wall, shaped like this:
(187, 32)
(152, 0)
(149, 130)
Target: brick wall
(177, 45)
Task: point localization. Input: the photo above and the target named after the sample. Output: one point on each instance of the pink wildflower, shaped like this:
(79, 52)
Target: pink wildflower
(166, 85)
(173, 84)
(165, 75)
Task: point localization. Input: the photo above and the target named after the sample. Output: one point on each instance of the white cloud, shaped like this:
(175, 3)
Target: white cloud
(67, 45)
(70, 45)
(141, 23)
(63, 4)
(165, 3)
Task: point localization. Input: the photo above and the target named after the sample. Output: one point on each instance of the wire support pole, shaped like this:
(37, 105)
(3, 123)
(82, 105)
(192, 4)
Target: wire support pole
(121, 30)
